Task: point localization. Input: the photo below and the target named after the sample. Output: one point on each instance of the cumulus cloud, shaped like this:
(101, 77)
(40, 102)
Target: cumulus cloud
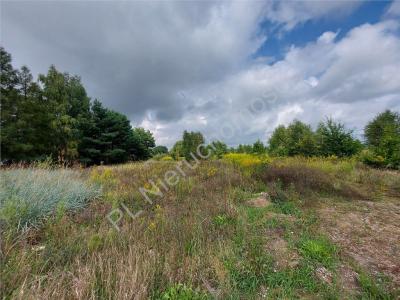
(394, 9)
(349, 79)
(291, 13)
(191, 65)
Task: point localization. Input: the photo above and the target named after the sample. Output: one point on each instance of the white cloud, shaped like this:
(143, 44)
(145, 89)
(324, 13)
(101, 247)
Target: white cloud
(291, 13)
(351, 80)
(394, 9)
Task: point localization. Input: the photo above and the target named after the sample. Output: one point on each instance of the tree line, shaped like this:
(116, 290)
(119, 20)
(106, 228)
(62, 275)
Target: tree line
(54, 117)
(381, 147)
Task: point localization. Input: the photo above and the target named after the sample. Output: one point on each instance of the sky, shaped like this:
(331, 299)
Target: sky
(232, 70)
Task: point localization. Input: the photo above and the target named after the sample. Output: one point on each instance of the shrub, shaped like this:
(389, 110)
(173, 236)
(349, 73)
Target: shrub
(29, 195)
(370, 158)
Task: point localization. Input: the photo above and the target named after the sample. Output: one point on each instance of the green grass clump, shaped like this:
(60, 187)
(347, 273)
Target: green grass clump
(27, 196)
(182, 292)
(375, 288)
(318, 249)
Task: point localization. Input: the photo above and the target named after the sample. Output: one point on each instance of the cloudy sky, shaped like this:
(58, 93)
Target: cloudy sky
(233, 70)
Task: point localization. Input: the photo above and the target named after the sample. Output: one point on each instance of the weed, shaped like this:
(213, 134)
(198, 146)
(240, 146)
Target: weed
(375, 289)
(318, 249)
(181, 291)
(95, 242)
(223, 220)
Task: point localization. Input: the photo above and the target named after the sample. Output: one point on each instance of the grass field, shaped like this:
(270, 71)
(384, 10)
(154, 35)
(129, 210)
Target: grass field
(236, 228)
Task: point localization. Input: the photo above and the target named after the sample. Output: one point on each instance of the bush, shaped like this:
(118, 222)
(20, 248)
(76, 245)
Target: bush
(370, 158)
(27, 196)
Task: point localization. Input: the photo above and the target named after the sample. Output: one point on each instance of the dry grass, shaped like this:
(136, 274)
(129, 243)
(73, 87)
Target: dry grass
(176, 240)
(201, 233)
(306, 180)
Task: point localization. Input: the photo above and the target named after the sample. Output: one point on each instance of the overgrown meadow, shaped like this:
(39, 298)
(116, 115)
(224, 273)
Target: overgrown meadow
(241, 227)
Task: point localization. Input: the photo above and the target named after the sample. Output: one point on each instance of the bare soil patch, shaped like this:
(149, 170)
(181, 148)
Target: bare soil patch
(263, 200)
(368, 232)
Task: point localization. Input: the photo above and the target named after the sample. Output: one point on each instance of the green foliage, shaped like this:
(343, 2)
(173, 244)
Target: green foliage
(334, 139)
(57, 119)
(318, 249)
(109, 138)
(244, 149)
(190, 143)
(259, 148)
(177, 150)
(369, 157)
(29, 195)
(278, 142)
(301, 139)
(374, 289)
(218, 149)
(383, 138)
(159, 150)
(296, 139)
(331, 138)
(223, 220)
(95, 242)
(25, 123)
(67, 104)
(143, 143)
(181, 291)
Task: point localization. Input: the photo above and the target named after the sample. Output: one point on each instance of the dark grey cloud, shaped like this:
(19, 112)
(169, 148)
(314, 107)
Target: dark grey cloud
(135, 56)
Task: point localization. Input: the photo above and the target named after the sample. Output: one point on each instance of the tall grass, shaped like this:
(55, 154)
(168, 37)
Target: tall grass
(29, 195)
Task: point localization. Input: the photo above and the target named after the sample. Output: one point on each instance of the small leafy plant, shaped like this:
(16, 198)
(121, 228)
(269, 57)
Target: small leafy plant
(181, 291)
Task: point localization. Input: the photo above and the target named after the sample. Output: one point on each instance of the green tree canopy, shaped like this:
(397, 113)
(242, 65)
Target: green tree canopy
(57, 118)
(382, 135)
(177, 150)
(259, 148)
(159, 150)
(244, 149)
(144, 142)
(218, 148)
(190, 142)
(297, 139)
(334, 139)
(278, 142)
